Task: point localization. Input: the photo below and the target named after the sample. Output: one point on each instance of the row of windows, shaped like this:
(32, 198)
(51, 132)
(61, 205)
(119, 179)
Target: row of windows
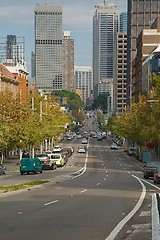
(48, 13)
(48, 41)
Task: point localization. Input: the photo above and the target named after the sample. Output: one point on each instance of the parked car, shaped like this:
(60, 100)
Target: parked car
(58, 159)
(2, 169)
(114, 146)
(156, 175)
(30, 165)
(149, 168)
(81, 149)
(132, 151)
(84, 141)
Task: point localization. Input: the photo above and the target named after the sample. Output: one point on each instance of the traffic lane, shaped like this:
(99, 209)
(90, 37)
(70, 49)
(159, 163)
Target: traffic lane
(83, 211)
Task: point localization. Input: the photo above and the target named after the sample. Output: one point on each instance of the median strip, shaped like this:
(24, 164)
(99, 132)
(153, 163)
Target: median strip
(15, 187)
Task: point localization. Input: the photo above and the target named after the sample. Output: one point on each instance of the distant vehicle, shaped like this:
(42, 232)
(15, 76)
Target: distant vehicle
(79, 136)
(99, 137)
(56, 149)
(156, 175)
(84, 141)
(81, 149)
(150, 168)
(30, 165)
(48, 153)
(132, 151)
(26, 154)
(58, 159)
(2, 169)
(43, 157)
(49, 165)
(114, 146)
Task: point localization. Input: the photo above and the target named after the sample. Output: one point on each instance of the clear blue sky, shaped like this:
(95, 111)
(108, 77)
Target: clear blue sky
(17, 18)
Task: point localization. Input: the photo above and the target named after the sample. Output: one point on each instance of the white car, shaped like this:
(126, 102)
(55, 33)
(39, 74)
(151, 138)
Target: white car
(114, 146)
(81, 149)
(84, 141)
(57, 149)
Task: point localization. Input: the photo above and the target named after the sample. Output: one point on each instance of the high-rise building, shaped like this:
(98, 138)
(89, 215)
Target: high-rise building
(48, 47)
(120, 73)
(68, 62)
(105, 27)
(123, 22)
(84, 81)
(141, 14)
(33, 65)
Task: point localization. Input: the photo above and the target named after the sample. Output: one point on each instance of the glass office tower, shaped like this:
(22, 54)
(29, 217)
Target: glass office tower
(105, 27)
(48, 47)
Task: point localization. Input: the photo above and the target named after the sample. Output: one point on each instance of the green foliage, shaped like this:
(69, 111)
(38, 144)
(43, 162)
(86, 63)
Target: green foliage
(29, 123)
(101, 102)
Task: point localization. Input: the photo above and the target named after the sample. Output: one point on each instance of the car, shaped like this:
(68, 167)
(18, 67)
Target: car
(2, 169)
(99, 137)
(149, 169)
(43, 157)
(79, 136)
(84, 141)
(114, 146)
(49, 165)
(156, 175)
(57, 149)
(48, 152)
(58, 159)
(132, 151)
(81, 149)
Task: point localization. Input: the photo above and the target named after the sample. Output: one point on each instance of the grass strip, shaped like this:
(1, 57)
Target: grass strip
(20, 186)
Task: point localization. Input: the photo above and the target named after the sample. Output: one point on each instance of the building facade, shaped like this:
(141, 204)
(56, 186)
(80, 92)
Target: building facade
(105, 27)
(68, 63)
(147, 42)
(84, 81)
(141, 14)
(48, 47)
(120, 72)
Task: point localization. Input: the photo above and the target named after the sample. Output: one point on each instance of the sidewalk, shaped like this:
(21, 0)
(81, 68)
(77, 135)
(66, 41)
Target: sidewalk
(11, 164)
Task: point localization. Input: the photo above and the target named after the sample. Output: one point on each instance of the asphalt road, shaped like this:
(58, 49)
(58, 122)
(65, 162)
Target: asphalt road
(99, 195)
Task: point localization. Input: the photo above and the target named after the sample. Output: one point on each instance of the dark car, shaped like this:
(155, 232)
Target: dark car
(2, 169)
(150, 168)
(49, 165)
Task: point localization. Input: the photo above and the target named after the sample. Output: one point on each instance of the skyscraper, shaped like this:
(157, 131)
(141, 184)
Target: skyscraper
(68, 62)
(105, 27)
(123, 22)
(48, 47)
(141, 14)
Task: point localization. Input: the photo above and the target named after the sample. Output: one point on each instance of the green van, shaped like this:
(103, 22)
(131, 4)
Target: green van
(28, 165)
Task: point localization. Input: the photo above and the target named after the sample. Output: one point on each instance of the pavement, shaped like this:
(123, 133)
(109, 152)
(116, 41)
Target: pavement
(12, 163)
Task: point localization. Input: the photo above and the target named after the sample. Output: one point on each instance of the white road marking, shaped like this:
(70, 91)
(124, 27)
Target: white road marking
(49, 203)
(121, 224)
(83, 190)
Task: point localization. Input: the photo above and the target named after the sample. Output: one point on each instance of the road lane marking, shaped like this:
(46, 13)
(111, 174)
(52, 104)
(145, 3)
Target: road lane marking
(83, 190)
(121, 224)
(49, 203)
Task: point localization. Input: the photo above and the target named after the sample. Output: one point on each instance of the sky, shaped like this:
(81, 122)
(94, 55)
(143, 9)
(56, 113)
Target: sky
(17, 18)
